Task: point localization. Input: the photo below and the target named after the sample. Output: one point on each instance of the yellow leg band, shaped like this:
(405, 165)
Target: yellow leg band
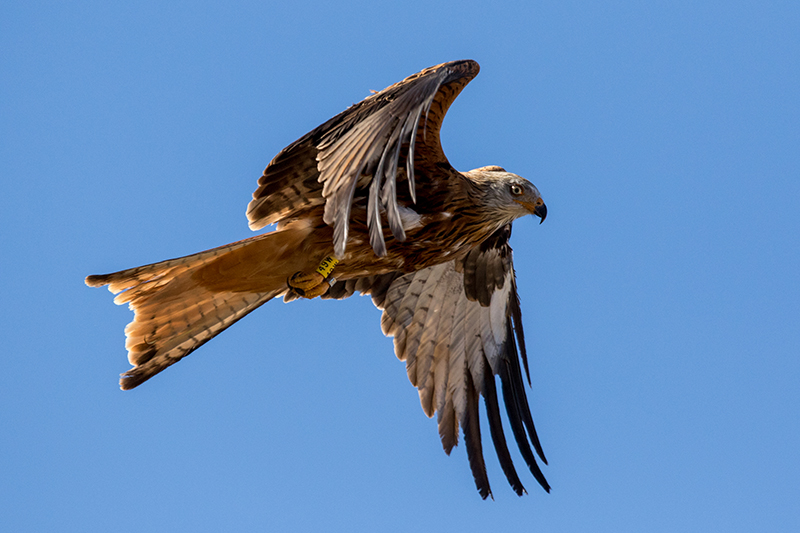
(327, 265)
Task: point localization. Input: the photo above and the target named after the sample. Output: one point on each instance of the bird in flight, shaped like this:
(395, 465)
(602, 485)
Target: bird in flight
(368, 203)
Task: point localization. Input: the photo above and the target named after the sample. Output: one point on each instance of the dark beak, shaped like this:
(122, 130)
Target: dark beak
(541, 212)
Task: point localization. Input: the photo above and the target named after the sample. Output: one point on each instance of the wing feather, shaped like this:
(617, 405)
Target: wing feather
(472, 440)
(456, 384)
(416, 328)
(474, 345)
(427, 345)
(498, 435)
(363, 147)
(405, 317)
(442, 401)
(457, 335)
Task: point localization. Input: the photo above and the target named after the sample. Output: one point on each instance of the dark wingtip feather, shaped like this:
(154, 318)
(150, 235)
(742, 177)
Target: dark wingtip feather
(512, 401)
(496, 430)
(518, 389)
(472, 441)
(516, 319)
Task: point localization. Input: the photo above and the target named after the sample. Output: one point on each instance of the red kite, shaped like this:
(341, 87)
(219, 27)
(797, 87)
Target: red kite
(367, 202)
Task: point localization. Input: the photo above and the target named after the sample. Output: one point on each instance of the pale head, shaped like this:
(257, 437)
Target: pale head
(507, 195)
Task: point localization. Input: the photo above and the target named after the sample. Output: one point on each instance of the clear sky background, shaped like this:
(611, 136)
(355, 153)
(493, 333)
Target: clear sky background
(661, 298)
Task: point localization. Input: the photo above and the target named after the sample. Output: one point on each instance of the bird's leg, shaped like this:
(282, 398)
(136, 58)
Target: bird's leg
(313, 284)
(308, 284)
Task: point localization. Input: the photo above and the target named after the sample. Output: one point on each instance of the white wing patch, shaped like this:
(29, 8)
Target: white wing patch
(498, 311)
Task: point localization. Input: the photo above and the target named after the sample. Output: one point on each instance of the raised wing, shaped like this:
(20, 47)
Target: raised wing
(362, 152)
(457, 325)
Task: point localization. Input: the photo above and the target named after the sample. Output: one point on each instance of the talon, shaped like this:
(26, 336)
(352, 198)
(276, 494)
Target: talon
(313, 284)
(313, 292)
(308, 285)
(305, 281)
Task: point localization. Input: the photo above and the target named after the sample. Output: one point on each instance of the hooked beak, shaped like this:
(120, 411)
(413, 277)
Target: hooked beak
(541, 212)
(537, 208)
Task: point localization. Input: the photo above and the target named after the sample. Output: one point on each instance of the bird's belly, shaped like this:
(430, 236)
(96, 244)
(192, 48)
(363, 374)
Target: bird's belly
(424, 247)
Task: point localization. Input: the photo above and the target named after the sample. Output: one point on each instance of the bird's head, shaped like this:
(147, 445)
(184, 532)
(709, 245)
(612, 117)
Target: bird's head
(508, 195)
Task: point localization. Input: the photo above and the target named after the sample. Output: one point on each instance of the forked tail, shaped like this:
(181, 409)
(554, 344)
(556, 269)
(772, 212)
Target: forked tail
(181, 304)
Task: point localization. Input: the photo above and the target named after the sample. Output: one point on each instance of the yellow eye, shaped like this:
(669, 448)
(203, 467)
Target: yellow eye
(516, 190)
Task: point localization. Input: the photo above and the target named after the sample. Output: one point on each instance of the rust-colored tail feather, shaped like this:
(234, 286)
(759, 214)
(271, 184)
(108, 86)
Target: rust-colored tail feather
(180, 304)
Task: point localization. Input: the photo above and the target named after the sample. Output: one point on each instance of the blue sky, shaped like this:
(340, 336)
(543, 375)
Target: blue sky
(661, 298)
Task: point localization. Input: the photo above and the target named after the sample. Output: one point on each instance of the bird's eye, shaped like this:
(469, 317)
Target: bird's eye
(516, 190)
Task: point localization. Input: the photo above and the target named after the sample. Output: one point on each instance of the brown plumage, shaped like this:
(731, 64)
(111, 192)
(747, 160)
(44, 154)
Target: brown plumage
(372, 188)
